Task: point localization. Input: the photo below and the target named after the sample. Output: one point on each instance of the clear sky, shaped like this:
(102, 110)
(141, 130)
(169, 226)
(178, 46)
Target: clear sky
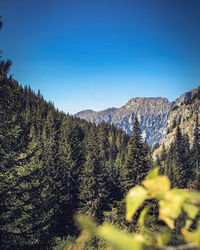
(95, 54)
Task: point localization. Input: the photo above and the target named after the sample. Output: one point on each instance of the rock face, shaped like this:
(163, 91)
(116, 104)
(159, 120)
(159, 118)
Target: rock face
(184, 116)
(152, 113)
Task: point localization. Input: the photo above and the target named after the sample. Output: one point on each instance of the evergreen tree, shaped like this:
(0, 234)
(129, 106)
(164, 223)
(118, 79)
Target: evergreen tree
(163, 159)
(180, 160)
(136, 162)
(70, 161)
(103, 140)
(13, 150)
(195, 152)
(93, 192)
(196, 146)
(170, 170)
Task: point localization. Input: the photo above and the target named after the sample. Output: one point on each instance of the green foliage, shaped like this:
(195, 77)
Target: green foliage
(172, 203)
(180, 160)
(137, 163)
(53, 165)
(135, 198)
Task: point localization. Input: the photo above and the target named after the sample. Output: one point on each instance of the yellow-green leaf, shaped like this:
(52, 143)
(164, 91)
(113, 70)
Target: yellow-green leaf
(195, 197)
(166, 236)
(122, 241)
(86, 224)
(163, 238)
(141, 220)
(135, 197)
(191, 211)
(158, 186)
(192, 236)
(171, 206)
(152, 174)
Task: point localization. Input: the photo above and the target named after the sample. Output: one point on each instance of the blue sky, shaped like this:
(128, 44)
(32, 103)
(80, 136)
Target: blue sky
(95, 54)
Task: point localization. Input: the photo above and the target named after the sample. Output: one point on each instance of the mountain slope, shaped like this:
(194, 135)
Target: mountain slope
(152, 113)
(184, 116)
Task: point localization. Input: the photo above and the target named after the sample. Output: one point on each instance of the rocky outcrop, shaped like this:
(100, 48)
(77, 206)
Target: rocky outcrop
(153, 114)
(183, 116)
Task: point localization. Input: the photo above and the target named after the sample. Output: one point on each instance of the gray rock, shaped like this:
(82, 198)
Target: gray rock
(152, 113)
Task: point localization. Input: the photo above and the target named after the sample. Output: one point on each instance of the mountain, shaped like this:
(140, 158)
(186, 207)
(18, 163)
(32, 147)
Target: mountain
(152, 112)
(183, 115)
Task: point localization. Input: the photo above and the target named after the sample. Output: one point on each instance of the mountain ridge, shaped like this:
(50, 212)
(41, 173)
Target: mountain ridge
(152, 113)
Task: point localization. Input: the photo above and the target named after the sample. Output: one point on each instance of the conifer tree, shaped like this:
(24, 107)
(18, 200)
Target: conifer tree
(195, 152)
(13, 150)
(196, 147)
(170, 170)
(163, 159)
(136, 162)
(70, 160)
(103, 140)
(180, 160)
(93, 192)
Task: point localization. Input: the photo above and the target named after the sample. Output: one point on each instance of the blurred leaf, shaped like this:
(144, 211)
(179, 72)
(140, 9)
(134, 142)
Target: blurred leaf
(86, 224)
(192, 236)
(158, 186)
(171, 206)
(135, 197)
(164, 238)
(69, 247)
(152, 174)
(191, 211)
(80, 242)
(141, 220)
(188, 223)
(194, 197)
(121, 240)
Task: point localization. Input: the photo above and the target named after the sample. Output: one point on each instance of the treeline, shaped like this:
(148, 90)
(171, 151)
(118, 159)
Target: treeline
(181, 161)
(54, 165)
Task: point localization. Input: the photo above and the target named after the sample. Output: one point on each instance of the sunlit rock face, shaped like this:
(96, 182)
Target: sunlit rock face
(152, 113)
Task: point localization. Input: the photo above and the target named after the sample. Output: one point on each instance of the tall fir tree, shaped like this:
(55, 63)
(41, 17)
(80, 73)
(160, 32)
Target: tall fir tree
(69, 165)
(180, 161)
(136, 162)
(93, 191)
(195, 152)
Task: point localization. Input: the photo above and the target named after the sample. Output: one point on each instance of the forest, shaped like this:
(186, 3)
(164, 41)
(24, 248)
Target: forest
(54, 166)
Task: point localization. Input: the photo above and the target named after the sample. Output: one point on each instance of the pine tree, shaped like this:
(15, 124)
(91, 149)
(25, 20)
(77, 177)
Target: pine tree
(163, 159)
(196, 146)
(136, 162)
(103, 140)
(69, 165)
(13, 151)
(180, 161)
(195, 152)
(93, 191)
(170, 170)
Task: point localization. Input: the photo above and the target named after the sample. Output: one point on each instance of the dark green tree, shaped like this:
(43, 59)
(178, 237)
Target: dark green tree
(93, 191)
(13, 150)
(69, 166)
(180, 161)
(195, 153)
(136, 162)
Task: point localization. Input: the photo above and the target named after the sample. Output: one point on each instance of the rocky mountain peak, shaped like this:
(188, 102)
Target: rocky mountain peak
(152, 113)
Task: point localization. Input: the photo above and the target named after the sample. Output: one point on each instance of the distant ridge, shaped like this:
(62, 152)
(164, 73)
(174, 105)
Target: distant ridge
(152, 113)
